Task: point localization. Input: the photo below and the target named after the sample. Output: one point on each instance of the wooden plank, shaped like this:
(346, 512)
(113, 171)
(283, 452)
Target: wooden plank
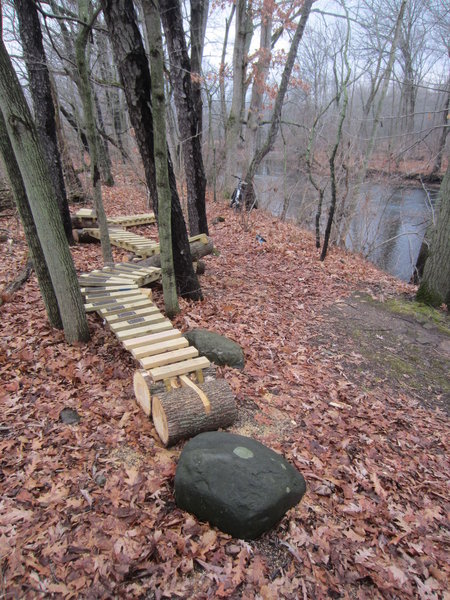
(98, 279)
(134, 322)
(102, 296)
(112, 309)
(147, 329)
(180, 368)
(130, 314)
(166, 346)
(97, 304)
(112, 288)
(154, 338)
(202, 237)
(168, 358)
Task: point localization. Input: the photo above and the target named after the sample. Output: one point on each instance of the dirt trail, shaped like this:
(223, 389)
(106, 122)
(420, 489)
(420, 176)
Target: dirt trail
(396, 344)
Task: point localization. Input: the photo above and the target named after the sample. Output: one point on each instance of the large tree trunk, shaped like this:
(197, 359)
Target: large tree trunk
(132, 64)
(443, 137)
(43, 202)
(199, 17)
(162, 175)
(188, 125)
(435, 286)
(103, 150)
(34, 245)
(87, 101)
(41, 93)
(242, 38)
(259, 81)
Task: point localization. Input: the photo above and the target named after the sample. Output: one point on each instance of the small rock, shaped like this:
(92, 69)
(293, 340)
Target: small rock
(100, 479)
(236, 483)
(218, 219)
(217, 348)
(69, 416)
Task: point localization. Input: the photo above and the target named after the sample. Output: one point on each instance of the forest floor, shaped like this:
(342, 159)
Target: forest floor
(342, 376)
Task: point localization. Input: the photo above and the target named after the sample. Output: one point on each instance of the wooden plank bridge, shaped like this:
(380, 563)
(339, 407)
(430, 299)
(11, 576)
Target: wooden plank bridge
(123, 221)
(170, 384)
(138, 244)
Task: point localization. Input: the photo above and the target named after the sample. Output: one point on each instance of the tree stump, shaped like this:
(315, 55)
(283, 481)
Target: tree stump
(181, 413)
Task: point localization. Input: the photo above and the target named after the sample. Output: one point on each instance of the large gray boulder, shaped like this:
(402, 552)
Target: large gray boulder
(219, 349)
(236, 483)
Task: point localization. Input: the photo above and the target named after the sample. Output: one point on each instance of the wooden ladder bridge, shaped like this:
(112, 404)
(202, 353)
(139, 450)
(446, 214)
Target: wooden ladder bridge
(174, 385)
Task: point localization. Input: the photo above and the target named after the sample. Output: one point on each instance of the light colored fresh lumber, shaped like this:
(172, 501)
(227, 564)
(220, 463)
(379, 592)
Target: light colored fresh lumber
(112, 304)
(123, 306)
(141, 385)
(168, 358)
(147, 329)
(131, 314)
(154, 338)
(134, 322)
(180, 368)
(113, 288)
(110, 295)
(165, 346)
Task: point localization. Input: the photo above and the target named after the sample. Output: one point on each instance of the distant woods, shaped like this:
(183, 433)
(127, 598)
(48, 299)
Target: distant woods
(307, 97)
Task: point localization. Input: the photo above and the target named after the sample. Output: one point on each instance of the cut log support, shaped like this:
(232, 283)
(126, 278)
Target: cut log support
(181, 413)
(142, 384)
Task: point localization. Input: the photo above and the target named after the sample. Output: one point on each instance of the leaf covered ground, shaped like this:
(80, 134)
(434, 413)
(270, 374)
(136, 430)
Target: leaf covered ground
(87, 510)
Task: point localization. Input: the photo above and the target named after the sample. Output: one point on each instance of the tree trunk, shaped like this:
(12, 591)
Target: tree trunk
(435, 286)
(199, 17)
(222, 68)
(160, 143)
(85, 90)
(259, 81)
(443, 137)
(34, 245)
(242, 39)
(376, 120)
(188, 125)
(276, 116)
(44, 109)
(103, 151)
(44, 206)
(132, 64)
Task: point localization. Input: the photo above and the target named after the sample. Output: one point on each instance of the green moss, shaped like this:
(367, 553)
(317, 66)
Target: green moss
(428, 296)
(421, 312)
(398, 365)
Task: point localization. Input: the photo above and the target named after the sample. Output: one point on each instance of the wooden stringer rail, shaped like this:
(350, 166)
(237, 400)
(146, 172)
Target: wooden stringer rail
(163, 385)
(140, 245)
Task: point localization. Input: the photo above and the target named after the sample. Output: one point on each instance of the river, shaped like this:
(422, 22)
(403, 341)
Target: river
(388, 227)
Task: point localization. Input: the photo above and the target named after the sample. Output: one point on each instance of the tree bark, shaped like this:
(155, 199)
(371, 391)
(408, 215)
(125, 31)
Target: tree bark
(160, 144)
(41, 94)
(276, 116)
(87, 101)
(259, 82)
(188, 125)
(132, 64)
(44, 206)
(34, 245)
(435, 286)
(199, 17)
(180, 413)
(242, 39)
